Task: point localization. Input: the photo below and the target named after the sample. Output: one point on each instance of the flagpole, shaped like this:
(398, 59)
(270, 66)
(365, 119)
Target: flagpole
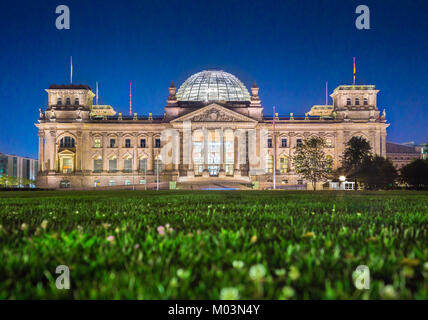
(326, 93)
(354, 72)
(97, 94)
(71, 69)
(130, 98)
(274, 149)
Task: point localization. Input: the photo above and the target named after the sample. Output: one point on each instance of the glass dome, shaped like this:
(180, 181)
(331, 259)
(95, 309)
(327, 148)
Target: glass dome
(213, 85)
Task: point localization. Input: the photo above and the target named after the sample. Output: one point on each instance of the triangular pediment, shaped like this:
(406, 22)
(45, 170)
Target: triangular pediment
(214, 113)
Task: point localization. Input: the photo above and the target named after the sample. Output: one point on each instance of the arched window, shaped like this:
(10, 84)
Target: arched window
(76, 101)
(366, 101)
(67, 142)
(59, 101)
(357, 101)
(348, 101)
(283, 161)
(67, 101)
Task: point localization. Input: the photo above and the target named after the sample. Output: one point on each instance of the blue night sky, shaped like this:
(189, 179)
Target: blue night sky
(291, 48)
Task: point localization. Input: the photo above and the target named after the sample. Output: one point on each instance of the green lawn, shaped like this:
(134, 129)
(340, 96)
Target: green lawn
(219, 244)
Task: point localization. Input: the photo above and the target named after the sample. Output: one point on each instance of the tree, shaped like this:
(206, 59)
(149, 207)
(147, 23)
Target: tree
(416, 173)
(357, 151)
(311, 162)
(378, 173)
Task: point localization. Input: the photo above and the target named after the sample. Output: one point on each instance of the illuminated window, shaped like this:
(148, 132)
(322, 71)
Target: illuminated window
(330, 158)
(65, 184)
(142, 165)
(97, 143)
(283, 164)
(112, 165)
(67, 165)
(127, 165)
(98, 165)
(127, 182)
(111, 183)
(328, 142)
(269, 164)
(158, 165)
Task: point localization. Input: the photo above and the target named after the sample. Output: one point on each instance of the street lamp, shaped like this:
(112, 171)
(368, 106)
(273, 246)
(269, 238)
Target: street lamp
(342, 178)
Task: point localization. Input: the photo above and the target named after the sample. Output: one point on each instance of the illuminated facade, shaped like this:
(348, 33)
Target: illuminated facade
(212, 130)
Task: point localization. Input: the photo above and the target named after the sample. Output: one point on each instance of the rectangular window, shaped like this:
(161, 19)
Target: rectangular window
(142, 165)
(157, 143)
(127, 165)
(142, 181)
(328, 142)
(98, 165)
(112, 165)
(127, 182)
(142, 143)
(269, 143)
(283, 164)
(348, 101)
(67, 165)
(299, 142)
(111, 183)
(112, 143)
(97, 143)
(299, 181)
(366, 102)
(127, 143)
(15, 166)
(284, 143)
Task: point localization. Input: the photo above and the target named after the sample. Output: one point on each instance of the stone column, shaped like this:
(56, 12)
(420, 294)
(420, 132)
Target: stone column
(383, 151)
(51, 150)
(40, 162)
(222, 158)
(205, 172)
(236, 172)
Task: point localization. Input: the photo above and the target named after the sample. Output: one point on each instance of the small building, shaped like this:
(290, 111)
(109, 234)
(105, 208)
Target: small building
(401, 154)
(24, 169)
